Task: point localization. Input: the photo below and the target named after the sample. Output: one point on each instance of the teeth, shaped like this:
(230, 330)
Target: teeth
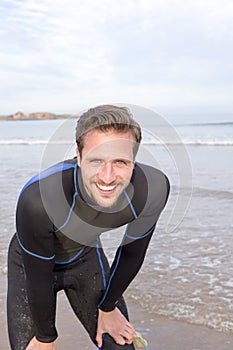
(106, 188)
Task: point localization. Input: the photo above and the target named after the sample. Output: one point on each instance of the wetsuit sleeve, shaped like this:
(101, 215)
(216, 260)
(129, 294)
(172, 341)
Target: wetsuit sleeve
(130, 255)
(34, 232)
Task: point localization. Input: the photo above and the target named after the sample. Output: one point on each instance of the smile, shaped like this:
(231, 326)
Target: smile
(106, 188)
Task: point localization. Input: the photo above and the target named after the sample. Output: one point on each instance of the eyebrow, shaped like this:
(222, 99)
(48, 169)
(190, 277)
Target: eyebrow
(112, 159)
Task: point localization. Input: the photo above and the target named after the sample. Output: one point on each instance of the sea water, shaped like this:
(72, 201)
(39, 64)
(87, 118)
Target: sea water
(188, 271)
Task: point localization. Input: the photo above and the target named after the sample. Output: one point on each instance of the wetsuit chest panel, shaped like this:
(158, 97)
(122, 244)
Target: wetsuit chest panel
(85, 224)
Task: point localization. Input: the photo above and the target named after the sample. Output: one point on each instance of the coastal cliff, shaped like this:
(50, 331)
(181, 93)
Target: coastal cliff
(36, 116)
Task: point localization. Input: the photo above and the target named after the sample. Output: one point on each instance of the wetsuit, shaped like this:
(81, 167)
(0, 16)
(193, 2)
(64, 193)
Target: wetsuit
(57, 246)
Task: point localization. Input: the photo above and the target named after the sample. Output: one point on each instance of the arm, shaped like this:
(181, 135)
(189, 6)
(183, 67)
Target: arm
(127, 262)
(110, 319)
(132, 250)
(130, 254)
(34, 231)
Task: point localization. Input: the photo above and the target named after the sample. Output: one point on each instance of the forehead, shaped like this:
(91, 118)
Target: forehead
(108, 144)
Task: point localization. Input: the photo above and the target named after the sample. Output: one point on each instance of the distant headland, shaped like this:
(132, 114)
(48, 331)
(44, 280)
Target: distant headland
(35, 116)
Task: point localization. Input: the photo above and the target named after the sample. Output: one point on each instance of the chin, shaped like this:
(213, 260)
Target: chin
(106, 205)
(107, 202)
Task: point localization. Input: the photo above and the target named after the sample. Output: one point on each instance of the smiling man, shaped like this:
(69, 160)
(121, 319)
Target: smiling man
(61, 214)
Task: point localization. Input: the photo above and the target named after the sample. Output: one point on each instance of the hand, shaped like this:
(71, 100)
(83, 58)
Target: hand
(37, 345)
(116, 325)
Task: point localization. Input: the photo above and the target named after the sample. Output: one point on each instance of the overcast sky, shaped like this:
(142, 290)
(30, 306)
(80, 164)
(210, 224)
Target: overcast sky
(67, 55)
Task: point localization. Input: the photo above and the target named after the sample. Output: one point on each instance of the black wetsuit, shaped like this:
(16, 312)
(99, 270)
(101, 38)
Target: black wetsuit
(57, 246)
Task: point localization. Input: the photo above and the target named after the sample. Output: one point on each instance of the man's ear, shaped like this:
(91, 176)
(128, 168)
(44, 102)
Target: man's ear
(78, 156)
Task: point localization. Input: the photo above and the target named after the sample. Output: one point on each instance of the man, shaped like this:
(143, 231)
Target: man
(61, 214)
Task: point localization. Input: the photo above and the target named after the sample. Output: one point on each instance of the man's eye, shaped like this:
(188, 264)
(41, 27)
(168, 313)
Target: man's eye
(96, 161)
(120, 162)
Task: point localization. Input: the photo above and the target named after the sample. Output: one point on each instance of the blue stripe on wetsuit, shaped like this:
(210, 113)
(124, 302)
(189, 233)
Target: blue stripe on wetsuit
(33, 254)
(46, 173)
(130, 204)
(112, 275)
(71, 259)
(69, 214)
(143, 236)
(74, 196)
(101, 265)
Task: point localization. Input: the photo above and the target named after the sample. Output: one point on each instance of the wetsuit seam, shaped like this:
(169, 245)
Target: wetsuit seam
(101, 266)
(112, 275)
(71, 259)
(131, 204)
(143, 236)
(46, 173)
(31, 253)
(75, 178)
(69, 214)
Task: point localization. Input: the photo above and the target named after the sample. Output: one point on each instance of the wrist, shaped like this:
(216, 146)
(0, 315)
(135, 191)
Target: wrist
(38, 345)
(107, 307)
(46, 340)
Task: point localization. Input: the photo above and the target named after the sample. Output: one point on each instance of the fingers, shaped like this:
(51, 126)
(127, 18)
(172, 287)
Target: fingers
(126, 336)
(122, 338)
(129, 333)
(130, 328)
(116, 325)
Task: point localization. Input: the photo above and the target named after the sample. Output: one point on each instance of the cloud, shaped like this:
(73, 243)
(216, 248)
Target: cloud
(68, 55)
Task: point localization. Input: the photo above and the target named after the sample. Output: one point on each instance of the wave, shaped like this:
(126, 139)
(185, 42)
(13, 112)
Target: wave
(144, 142)
(191, 142)
(206, 192)
(225, 123)
(190, 309)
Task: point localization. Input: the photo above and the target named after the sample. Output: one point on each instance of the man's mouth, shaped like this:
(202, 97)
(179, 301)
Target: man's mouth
(105, 188)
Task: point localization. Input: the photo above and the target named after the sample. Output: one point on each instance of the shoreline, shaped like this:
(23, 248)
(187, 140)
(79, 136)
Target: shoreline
(161, 333)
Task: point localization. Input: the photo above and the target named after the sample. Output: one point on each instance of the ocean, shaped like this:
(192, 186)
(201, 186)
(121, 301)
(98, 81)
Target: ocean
(188, 271)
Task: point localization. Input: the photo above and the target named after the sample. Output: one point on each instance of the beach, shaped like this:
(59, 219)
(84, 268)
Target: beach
(161, 333)
(182, 297)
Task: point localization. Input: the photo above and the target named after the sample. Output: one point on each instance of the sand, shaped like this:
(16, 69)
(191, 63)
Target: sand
(160, 332)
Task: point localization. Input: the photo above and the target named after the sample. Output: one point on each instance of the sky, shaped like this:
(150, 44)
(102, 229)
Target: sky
(174, 56)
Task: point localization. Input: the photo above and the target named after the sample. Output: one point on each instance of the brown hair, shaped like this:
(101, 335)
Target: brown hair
(105, 118)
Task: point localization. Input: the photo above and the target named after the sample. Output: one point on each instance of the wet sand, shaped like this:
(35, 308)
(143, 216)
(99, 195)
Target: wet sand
(160, 332)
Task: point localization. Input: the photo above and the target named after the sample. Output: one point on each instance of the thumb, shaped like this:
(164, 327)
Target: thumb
(99, 339)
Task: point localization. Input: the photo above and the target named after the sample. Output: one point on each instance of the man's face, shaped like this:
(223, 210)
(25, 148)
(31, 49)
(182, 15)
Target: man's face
(106, 164)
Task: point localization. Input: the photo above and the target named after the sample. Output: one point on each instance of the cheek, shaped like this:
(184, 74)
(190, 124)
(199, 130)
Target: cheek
(126, 174)
(88, 172)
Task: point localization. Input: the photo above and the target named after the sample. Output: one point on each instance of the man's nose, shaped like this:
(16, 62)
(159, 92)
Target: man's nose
(107, 173)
